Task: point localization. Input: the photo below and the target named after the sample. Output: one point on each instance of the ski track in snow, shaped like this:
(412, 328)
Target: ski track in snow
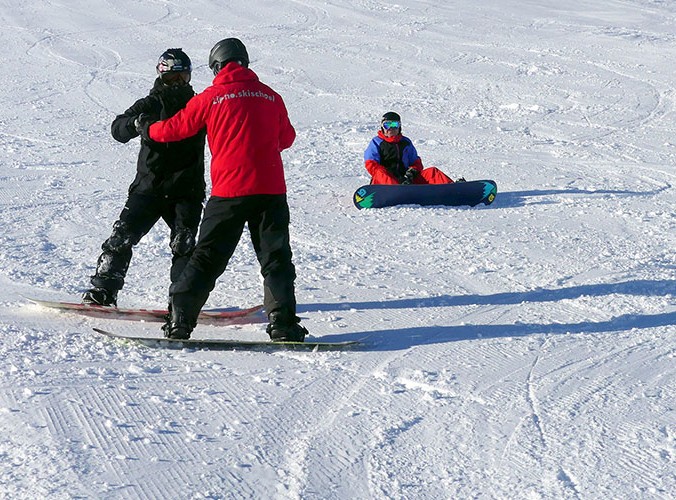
(520, 350)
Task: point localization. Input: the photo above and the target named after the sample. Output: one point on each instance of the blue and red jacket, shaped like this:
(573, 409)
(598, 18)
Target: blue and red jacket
(391, 157)
(247, 128)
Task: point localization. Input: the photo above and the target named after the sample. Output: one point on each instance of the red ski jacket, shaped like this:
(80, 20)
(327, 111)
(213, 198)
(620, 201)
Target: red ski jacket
(247, 128)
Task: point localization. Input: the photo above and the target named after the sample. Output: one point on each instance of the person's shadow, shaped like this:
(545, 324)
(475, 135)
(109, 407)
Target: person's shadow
(403, 338)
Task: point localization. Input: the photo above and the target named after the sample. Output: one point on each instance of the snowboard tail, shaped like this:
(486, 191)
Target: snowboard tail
(469, 193)
(228, 343)
(207, 317)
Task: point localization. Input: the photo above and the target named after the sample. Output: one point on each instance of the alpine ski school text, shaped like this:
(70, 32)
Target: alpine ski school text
(243, 93)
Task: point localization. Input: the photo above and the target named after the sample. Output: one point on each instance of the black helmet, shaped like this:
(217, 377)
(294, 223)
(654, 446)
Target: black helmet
(229, 49)
(390, 116)
(174, 67)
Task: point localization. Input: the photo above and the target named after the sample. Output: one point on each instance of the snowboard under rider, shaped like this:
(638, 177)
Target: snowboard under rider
(169, 183)
(391, 158)
(247, 129)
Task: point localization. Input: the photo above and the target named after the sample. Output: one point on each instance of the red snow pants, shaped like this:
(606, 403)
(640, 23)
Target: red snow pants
(431, 175)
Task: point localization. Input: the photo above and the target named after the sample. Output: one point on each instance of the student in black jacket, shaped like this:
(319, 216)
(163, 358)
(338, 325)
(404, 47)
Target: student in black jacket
(169, 183)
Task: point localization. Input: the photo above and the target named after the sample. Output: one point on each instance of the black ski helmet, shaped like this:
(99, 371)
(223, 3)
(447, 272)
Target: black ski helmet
(390, 116)
(174, 64)
(229, 49)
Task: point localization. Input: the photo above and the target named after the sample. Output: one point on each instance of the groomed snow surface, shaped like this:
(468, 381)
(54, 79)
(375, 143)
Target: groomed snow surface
(520, 350)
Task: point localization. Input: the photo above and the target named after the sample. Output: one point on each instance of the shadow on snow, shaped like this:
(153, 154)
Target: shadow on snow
(518, 198)
(402, 338)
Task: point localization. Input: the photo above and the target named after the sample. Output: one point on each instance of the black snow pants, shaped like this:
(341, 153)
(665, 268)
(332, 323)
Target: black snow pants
(222, 226)
(139, 215)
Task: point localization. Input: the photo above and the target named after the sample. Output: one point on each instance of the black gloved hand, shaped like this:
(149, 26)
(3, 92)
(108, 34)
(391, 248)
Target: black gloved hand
(409, 176)
(141, 124)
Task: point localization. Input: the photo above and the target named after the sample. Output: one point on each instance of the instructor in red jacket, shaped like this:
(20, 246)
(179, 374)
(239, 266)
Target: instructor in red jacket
(247, 128)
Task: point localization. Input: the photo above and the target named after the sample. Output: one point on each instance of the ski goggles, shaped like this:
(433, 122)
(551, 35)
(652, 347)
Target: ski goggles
(391, 124)
(175, 77)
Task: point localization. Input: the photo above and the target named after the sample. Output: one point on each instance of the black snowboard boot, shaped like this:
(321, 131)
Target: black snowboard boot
(167, 317)
(178, 331)
(284, 327)
(100, 297)
(177, 327)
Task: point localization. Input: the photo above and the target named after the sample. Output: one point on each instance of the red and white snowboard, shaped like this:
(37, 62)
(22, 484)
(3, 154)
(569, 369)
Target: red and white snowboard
(207, 317)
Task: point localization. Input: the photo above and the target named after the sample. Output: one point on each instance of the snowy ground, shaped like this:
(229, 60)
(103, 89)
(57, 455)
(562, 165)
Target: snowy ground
(520, 350)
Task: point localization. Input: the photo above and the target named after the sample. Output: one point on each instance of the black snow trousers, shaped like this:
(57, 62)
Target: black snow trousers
(139, 215)
(222, 226)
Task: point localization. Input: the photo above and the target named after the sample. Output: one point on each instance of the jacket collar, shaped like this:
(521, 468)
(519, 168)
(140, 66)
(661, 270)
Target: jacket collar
(234, 72)
(394, 139)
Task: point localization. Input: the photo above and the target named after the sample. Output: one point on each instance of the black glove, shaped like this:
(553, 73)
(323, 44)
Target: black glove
(141, 124)
(409, 176)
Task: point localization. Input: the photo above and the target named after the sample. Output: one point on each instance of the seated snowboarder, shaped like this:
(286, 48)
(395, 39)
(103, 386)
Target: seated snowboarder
(169, 183)
(391, 158)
